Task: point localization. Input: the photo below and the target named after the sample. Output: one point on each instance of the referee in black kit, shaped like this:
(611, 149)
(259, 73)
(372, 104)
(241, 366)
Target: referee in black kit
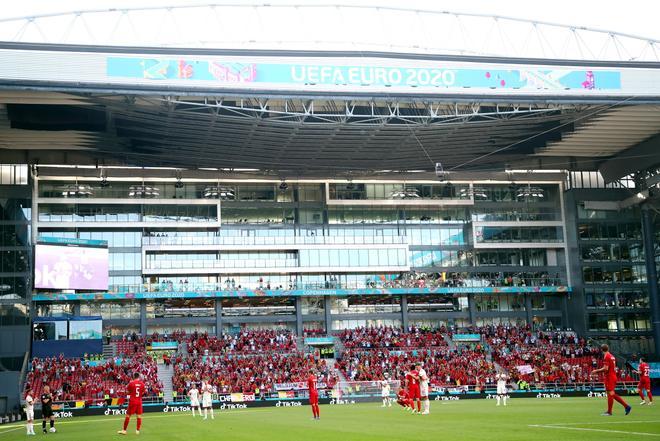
(47, 410)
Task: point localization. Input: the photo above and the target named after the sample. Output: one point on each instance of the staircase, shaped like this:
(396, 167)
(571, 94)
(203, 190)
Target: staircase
(109, 351)
(165, 376)
(449, 341)
(339, 347)
(331, 365)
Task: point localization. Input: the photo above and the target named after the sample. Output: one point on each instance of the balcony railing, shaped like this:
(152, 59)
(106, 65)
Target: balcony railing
(286, 240)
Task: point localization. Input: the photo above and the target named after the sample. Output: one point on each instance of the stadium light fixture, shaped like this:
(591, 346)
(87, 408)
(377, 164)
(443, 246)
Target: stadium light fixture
(530, 192)
(77, 190)
(476, 192)
(405, 193)
(143, 191)
(283, 185)
(439, 171)
(218, 192)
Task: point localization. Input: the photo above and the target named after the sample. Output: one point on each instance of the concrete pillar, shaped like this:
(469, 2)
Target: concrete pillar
(76, 309)
(528, 309)
(472, 309)
(564, 311)
(404, 311)
(143, 317)
(299, 320)
(218, 317)
(328, 317)
(34, 235)
(651, 274)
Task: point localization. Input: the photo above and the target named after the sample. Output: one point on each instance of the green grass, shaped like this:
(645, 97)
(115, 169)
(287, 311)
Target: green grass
(458, 420)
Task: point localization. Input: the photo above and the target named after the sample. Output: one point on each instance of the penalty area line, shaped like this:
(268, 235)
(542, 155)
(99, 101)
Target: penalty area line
(591, 423)
(584, 429)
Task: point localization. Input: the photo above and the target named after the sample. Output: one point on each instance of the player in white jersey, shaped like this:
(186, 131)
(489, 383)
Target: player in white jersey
(207, 403)
(385, 391)
(424, 388)
(193, 394)
(29, 412)
(501, 387)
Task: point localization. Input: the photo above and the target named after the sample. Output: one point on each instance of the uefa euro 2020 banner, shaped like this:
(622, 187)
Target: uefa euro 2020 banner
(70, 267)
(431, 75)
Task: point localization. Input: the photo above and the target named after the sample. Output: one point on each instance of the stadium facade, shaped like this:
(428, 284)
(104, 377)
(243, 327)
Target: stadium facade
(318, 190)
(335, 255)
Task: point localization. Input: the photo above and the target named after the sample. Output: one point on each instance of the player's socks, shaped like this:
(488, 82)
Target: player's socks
(498, 399)
(43, 425)
(205, 413)
(126, 421)
(52, 424)
(419, 406)
(641, 394)
(193, 411)
(504, 399)
(620, 400)
(212, 415)
(610, 403)
(139, 423)
(649, 395)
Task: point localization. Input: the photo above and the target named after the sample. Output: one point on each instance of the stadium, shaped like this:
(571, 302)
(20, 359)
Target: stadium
(195, 197)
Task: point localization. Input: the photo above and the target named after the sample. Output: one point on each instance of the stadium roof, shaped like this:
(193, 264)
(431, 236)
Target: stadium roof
(308, 25)
(332, 132)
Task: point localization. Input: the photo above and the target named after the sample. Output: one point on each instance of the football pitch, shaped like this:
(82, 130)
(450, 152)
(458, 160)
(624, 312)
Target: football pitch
(523, 419)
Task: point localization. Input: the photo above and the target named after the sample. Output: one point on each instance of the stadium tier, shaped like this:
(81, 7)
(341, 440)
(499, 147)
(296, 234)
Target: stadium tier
(265, 363)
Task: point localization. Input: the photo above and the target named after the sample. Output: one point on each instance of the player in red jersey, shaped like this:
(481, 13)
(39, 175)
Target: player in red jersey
(313, 395)
(136, 390)
(644, 372)
(412, 381)
(403, 399)
(609, 368)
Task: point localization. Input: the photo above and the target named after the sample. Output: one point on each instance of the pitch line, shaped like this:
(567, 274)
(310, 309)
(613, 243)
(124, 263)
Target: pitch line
(603, 422)
(119, 417)
(584, 429)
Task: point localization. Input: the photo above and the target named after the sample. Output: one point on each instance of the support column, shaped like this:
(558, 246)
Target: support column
(528, 309)
(404, 311)
(472, 309)
(218, 317)
(34, 235)
(651, 274)
(328, 317)
(299, 320)
(143, 317)
(76, 309)
(564, 311)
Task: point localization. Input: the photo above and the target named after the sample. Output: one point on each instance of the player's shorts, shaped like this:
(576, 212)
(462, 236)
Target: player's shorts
(134, 407)
(403, 403)
(644, 384)
(194, 403)
(314, 398)
(206, 402)
(413, 392)
(610, 385)
(29, 414)
(46, 412)
(385, 393)
(424, 390)
(501, 390)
